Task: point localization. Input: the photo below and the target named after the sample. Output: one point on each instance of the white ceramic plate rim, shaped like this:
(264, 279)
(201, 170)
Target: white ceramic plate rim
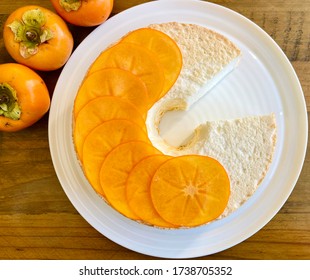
(254, 214)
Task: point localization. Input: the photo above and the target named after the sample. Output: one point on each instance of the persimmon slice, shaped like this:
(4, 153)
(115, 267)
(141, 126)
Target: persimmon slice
(138, 190)
(137, 60)
(115, 170)
(190, 190)
(99, 110)
(101, 140)
(166, 49)
(114, 82)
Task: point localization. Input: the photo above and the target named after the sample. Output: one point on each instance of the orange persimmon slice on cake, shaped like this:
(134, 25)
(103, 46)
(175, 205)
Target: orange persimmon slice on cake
(137, 60)
(115, 170)
(101, 140)
(114, 82)
(190, 190)
(166, 49)
(138, 190)
(99, 110)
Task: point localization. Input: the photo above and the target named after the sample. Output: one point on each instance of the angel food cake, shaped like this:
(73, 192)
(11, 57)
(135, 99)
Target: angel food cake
(117, 112)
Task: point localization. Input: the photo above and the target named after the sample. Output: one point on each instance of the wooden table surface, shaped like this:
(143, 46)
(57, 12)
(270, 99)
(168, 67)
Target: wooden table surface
(37, 220)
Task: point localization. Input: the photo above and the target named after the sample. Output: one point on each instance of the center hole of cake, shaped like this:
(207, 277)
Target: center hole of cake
(177, 127)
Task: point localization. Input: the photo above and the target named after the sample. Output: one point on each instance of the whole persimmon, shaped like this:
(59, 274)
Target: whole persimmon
(84, 13)
(24, 97)
(38, 38)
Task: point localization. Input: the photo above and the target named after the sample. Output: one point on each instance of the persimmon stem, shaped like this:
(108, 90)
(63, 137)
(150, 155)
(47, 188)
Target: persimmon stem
(32, 36)
(4, 98)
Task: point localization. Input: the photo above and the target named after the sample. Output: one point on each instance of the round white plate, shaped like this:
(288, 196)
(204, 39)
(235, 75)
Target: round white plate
(264, 82)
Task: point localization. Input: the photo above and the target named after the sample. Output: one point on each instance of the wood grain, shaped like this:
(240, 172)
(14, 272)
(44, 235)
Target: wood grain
(37, 221)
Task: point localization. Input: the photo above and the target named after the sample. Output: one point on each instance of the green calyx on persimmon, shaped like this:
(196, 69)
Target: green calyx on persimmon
(70, 5)
(30, 32)
(8, 102)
